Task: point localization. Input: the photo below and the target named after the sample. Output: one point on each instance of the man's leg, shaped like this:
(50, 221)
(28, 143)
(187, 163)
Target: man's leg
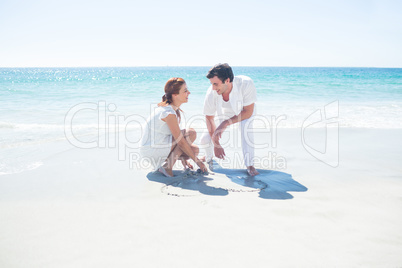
(247, 144)
(209, 148)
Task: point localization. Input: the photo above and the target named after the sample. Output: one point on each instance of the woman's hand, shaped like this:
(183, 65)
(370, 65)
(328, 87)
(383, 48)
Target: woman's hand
(186, 164)
(202, 166)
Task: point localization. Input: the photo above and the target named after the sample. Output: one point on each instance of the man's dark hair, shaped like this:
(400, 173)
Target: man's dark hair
(222, 70)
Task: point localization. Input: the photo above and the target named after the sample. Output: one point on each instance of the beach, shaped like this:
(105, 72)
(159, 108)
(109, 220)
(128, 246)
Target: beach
(80, 86)
(83, 208)
(74, 191)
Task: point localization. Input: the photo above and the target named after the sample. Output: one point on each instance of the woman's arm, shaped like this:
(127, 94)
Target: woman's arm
(171, 120)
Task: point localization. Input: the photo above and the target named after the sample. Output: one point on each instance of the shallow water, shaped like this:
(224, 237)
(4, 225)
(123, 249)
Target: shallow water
(40, 107)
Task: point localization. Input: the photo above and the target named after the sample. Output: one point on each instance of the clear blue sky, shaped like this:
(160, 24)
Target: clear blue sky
(200, 33)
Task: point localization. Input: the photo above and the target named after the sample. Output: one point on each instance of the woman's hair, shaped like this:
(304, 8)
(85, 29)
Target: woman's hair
(172, 86)
(223, 71)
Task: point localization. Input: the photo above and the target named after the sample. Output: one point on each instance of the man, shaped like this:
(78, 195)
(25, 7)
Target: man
(232, 99)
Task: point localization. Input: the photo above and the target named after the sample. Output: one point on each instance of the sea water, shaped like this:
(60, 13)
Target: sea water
(40, 108)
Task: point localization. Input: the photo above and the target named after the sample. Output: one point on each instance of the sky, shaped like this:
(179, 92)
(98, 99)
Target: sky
(58, 33)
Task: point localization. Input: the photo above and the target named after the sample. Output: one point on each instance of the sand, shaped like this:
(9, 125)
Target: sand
(84, 208)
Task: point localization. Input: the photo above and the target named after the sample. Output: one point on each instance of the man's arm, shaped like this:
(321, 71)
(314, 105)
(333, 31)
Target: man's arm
(246, 113)
(218, 150)
(216, 133)
(210, 124)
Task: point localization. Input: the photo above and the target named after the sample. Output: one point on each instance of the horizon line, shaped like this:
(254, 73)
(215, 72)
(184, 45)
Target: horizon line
(208, 66)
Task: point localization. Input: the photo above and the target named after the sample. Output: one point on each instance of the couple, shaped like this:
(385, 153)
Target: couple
(231, 99)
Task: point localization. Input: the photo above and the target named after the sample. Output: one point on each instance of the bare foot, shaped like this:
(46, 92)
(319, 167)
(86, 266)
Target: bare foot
(166, 171)
(211, 165)
(169, 171)
(252, 171)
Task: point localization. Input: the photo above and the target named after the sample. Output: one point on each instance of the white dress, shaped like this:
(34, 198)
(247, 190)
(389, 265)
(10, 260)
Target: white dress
(156, 142)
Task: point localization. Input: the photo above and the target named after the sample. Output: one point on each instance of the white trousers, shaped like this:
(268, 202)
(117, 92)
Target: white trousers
(247, 142)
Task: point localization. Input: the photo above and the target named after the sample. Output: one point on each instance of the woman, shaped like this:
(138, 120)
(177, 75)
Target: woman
(163, 142)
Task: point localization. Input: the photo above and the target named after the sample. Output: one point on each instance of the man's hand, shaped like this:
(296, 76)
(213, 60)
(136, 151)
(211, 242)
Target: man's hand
(219, 152)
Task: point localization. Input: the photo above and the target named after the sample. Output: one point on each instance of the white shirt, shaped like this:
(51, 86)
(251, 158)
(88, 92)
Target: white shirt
(156, 142)
(157, 131)
(243, 94)
(227, 109)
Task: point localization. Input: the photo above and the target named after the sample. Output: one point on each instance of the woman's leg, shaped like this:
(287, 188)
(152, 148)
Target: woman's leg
(190, 135)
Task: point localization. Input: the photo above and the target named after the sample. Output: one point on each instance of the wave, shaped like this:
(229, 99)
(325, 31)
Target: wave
(8, 170)
(38, 126)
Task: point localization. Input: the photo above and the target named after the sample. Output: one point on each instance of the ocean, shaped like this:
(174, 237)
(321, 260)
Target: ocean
(41, 108)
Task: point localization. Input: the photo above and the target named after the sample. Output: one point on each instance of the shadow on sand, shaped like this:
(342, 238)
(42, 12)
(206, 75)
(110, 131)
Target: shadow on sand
(185, 184)
(278, 184)
(269, 184)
